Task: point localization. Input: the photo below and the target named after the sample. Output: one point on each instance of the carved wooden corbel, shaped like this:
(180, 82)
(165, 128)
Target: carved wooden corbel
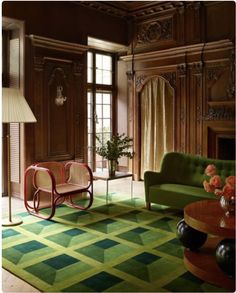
(182, 69)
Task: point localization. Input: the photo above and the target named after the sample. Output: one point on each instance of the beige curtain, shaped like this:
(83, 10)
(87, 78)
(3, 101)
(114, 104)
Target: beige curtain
(157, 123)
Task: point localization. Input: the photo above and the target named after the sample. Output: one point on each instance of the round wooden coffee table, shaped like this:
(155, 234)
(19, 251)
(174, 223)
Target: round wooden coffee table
(208, 217)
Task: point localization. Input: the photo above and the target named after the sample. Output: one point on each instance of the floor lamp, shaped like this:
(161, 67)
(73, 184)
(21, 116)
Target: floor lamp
(14, 110)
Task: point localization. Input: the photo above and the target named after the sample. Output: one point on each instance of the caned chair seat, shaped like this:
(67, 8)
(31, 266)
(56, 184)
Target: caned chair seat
(57, 183)
(65, 188)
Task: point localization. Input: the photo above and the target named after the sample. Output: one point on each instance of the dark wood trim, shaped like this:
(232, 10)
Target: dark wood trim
(52, 44)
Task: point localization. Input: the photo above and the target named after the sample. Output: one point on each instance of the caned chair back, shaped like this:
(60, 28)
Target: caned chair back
(79, 174)
(43, 179)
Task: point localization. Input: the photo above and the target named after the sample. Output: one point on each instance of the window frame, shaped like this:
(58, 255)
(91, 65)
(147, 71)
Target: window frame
(93, 88)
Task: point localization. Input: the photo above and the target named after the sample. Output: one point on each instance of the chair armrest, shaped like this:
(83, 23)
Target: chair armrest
(79, 174)
(151, 178)
(43, 178)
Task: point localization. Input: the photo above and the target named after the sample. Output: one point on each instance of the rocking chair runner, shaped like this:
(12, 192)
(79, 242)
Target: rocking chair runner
(50, 178)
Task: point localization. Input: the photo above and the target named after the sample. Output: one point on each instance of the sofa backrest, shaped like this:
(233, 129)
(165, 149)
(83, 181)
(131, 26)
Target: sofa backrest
(190, 170)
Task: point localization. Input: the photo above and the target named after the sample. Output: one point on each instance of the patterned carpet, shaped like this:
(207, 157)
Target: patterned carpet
(120, 247)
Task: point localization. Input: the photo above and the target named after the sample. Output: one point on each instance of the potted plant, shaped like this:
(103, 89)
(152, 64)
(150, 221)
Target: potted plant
(118, 146)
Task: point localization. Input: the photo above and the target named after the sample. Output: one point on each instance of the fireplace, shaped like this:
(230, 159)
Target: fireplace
(225, 148)
(220, 143)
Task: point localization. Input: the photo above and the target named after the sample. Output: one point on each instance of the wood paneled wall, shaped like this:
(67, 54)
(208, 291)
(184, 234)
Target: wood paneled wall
(60, 132)
(189, 43)
(197, 59)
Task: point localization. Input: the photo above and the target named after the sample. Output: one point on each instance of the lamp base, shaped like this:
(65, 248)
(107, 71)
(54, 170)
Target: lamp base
(14, 221)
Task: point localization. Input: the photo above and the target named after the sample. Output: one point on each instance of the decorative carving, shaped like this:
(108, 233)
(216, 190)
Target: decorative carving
(130, 75)
(78, 68)
(231, 92)
(140, 81)
(213, 74)
(197, 71)
(219, 114)
(215, 77)
(231, 88)
(199, 115)
(182, 69)
(145, 9)
(38, 63)
(59, 100)
(197, 67)
(171, 77)
(155, 31)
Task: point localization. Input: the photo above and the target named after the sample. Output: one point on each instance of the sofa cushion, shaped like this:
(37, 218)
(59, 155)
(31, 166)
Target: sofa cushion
(189, 169)
(177, 195)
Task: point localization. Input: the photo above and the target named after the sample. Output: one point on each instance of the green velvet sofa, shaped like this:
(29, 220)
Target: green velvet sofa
(180, 180)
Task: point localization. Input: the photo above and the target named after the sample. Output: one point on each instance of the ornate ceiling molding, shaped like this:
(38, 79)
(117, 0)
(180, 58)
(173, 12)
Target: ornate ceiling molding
(135, 9)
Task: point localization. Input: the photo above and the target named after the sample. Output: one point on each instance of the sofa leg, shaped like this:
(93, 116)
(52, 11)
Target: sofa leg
(148, 205)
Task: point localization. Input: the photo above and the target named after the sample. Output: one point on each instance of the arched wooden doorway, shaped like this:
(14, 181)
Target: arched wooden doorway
(154, 123)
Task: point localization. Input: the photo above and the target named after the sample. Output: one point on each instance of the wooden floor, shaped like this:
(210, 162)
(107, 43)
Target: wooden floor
(10, 283)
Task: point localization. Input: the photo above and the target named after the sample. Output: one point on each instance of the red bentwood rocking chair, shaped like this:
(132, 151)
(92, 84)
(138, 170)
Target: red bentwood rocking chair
(60, 183)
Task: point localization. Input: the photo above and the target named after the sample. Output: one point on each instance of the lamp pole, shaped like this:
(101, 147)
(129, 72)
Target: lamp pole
(10, 221)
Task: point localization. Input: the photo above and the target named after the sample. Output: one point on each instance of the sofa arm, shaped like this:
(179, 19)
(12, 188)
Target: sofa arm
(151, 178)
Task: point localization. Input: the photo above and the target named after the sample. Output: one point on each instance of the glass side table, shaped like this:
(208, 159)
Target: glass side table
(118, 175)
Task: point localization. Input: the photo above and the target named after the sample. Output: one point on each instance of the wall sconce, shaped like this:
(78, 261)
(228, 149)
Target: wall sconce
(59, 101)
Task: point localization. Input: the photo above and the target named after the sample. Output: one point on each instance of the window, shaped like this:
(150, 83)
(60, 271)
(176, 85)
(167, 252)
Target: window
(100, 101)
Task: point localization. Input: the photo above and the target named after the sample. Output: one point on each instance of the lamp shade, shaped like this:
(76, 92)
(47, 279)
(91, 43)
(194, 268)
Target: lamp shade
(15, 108)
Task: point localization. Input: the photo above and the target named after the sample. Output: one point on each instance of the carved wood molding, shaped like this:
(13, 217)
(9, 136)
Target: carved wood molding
(38, 63)
(219, 114)
(57, 71)
(52, 44)
(78, 68)
(182, 69)
(196, 67)
(182, 51)
(139, 11)
(213, 74)
(155, 31)
(142, 79)
(171, 77)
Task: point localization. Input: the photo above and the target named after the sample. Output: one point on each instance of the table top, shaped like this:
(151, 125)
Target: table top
(105, 176)
(207, 216)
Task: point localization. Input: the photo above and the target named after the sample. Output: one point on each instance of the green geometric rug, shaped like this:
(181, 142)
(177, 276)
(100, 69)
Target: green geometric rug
(119, 247)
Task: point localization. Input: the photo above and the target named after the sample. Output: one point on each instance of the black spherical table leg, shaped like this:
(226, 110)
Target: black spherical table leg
(225, 256)
(189, 237)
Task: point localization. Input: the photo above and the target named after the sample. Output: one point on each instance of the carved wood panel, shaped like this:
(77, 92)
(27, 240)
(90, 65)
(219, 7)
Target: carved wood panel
(218, 78)
(57, 93)
(155, 33)
(59, 120)
(55, 128)
(195, 109)
(181, 110)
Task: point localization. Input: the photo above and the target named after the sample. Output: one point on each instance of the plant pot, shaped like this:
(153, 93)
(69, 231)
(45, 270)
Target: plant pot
(112, 166)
